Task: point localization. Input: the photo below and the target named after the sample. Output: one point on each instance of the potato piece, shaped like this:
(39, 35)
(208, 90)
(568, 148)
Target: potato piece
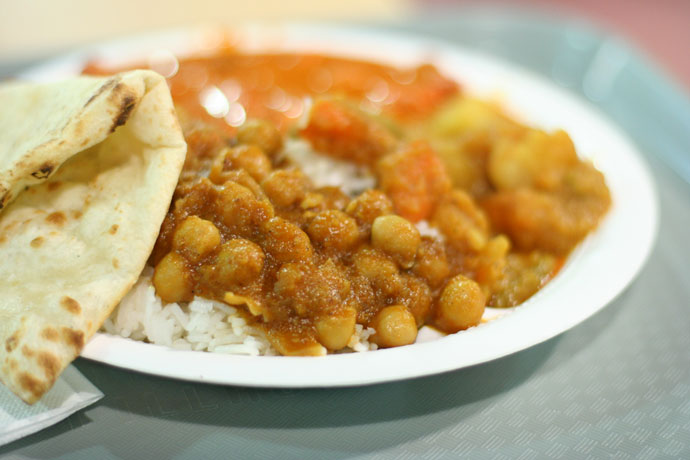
(536, 160)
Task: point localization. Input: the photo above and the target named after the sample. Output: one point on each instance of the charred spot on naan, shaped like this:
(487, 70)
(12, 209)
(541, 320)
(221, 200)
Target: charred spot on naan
(27, 352)
(43, 171)
(113, 229)
(56, 218)
(51, 334)
(37, 242)
(49, 363)
(107, 85)
(32, 385)
(73, 338)
(5, 198)
(128, 101)
(70, 305)
(12, 341)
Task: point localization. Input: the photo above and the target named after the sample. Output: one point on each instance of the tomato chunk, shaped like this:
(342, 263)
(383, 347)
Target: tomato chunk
(344, 132)
(415, 179)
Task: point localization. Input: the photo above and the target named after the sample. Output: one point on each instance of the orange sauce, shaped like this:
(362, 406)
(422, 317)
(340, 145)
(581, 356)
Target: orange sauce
(230, 87)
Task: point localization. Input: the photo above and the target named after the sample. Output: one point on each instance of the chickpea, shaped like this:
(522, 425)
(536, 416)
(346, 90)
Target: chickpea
(172, 280)
(239, 262)
(397, 237)
(262, 134)
(285, 187)
(312, 201)
(334, 331)
(334, 198)
(240, 211)
(416, 296)
(461, 305)
(241, 177)
(310, 290)
(334, 230)
(368, 206)
(381, 272)
(195, 238)
(236, 192)
(334, 283)
(247, 157)
(491, 263)
(290, 280)
(431, 263)
(199, 196)
(395, 326)
(374, 264)
(285, 241)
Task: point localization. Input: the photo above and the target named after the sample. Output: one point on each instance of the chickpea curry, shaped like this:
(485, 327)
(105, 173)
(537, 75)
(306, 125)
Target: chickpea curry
(499, 204)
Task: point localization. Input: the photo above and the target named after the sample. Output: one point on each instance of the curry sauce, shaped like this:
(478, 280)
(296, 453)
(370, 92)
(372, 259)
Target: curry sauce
(499, 204)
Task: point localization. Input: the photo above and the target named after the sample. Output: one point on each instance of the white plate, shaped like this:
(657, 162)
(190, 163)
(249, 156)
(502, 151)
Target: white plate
(598, 270)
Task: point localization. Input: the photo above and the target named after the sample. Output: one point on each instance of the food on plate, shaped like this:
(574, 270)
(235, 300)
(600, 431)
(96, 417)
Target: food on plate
(335, 204)
(87, 170)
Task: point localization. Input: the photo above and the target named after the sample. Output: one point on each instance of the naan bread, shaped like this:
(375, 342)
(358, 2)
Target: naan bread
(87, 171)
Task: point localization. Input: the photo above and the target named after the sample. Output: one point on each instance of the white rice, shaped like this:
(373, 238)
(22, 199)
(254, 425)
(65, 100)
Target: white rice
(427, 230)
(326, 171)
(360, 339)
(200, 325)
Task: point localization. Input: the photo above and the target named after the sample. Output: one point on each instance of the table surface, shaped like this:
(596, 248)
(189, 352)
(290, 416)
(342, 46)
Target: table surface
(616, 385)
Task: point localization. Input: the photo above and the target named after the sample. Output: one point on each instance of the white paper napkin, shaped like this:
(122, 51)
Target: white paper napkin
(70, 393)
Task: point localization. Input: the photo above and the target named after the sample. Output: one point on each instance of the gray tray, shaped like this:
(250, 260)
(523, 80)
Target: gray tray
(618, 385)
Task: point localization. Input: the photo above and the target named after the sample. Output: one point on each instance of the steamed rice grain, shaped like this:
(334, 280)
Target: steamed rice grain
(200, 325)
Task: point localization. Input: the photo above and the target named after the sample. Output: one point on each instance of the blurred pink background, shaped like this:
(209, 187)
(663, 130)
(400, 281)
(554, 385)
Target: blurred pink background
(659, 28)
(29, 30)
